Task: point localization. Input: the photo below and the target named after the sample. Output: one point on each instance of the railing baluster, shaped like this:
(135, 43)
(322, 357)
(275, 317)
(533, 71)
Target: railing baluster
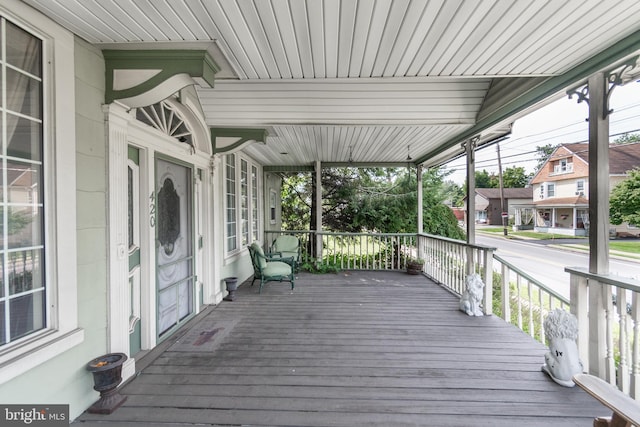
(610, 364)
(519, 301)
(635, 356)
(530, 296)
(506, 293)
(541, 315)
(623, 367)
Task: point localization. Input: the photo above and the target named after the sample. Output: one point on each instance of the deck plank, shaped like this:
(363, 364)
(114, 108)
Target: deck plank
(350, 349)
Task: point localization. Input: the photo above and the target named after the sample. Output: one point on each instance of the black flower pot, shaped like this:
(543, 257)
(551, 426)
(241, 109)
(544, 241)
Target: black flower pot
(107, 375)
(232, 286)
(414, 268)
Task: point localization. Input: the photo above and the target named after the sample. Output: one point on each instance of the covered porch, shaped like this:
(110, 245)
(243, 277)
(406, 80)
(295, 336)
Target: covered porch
(567, 215)
(378, 348)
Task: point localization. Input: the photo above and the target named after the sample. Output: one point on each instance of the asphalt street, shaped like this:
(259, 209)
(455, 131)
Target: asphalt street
(545, 261)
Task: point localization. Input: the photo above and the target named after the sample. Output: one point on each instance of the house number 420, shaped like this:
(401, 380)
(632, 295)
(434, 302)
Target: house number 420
(152, 209)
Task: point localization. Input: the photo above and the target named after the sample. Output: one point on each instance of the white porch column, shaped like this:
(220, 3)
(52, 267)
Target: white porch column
(598, 175)
(575, 220)
(119, 299)
(470, 147)
(318, 197)
(420, 200)
(596, 93)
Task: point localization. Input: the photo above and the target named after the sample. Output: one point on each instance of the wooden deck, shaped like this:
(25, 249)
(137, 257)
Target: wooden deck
(352, 349)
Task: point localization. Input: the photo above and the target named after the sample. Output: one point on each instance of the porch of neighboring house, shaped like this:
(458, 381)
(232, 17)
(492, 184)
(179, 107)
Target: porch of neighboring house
(568, 216)
(355, 348)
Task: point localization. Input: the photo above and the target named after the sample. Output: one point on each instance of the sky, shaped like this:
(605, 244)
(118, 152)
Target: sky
(563, 121)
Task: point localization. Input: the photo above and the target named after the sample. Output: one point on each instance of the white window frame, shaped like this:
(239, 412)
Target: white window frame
(580, 186)
(59, 158)
(227, 181)
(250, 222)
(551, 190)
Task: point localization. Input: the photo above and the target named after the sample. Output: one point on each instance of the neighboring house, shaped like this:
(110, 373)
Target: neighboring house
(561, 193)
(489, 203)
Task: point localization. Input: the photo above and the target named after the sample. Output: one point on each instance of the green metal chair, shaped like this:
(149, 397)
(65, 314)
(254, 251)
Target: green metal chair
(267, 268)
(287, 246)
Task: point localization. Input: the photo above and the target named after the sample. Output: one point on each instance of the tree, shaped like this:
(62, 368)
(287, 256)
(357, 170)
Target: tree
(483, 179)
(624, 203)
(627, 138)
(543, 153)
(453, 193)
(296, 201)
(515, 177)
(369, 199)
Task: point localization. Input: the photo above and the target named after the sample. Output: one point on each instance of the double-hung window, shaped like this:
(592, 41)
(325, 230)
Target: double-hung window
(231, 191)
(242, 222)
(551, 190)
(38, 270)
(22, 293)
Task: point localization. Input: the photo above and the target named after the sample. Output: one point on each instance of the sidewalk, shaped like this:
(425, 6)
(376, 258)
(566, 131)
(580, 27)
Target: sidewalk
(575, 245)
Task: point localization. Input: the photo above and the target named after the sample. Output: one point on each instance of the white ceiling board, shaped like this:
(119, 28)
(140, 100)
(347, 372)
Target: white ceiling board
(377, 38)
(375, 75)
(397, 101)
(304, 145)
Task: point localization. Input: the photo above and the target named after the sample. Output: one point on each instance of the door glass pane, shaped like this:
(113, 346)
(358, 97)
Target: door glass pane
(26, 314)
(24, 138)
(23, 183)
(24, 269)
(130, 205)
(23, 50)
(25, 227)
(174, 234)
(25, 96)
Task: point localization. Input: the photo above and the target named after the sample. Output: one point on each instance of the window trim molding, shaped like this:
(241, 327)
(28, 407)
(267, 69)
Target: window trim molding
(239, 158)
(62, 331)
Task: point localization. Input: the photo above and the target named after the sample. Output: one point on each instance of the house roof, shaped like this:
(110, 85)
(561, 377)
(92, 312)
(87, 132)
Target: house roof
(370, 81)
(622, 157)
(509, 193)
(563, 201)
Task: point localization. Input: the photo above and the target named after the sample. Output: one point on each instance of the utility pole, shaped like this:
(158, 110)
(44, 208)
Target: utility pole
(505, 210)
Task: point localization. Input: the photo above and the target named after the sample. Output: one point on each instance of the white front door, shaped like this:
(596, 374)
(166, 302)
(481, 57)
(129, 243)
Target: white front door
(174, 244)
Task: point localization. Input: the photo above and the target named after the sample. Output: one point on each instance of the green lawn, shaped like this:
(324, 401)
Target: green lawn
(529, 234)
(632, 247)
(617, 245)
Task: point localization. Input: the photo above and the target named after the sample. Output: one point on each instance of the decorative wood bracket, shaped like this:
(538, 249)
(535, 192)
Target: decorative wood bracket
(227, 140)
(616, 78)
(470, 146)
(613, 78)
(144, 77)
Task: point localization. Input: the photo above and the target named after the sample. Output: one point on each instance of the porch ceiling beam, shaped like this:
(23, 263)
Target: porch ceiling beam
(132, 73)
(606, 59)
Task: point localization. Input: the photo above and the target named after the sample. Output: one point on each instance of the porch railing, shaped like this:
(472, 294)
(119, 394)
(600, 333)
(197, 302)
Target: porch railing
(608, 311)
(449, 261)
(607, 307)
(522, 300)
(367, 251)
(353, 251)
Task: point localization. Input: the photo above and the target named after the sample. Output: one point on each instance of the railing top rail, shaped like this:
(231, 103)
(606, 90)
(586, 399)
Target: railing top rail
(609, 279)
(333, 233)
(458, 242)
(532, 280)
(289, 231)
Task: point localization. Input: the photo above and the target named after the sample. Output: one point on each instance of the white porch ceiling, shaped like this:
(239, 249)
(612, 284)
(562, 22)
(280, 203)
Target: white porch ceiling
(366, 77)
